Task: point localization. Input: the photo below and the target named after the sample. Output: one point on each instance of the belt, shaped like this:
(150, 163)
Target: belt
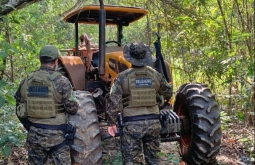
(61, 127)
(141, 117)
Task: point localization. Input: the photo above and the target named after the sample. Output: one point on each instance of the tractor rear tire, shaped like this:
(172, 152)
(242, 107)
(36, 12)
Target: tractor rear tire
(86, 149)
(200, 145)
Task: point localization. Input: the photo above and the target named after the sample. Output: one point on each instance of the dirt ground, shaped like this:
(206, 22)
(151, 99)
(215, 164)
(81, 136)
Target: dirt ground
(232, 150)
(235, 146)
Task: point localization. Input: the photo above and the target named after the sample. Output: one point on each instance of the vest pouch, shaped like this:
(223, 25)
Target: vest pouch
(21, 110)
(142, 97)
(41, 108)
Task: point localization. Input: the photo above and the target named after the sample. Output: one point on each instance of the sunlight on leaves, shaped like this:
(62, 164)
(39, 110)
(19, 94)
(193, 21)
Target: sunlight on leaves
(10, 99)
(240, 115)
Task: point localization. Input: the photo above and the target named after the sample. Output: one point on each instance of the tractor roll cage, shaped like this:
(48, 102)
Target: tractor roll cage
(104, 15)
(114, 15)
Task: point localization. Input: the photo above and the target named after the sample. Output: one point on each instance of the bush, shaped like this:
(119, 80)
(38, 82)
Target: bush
(12, 129)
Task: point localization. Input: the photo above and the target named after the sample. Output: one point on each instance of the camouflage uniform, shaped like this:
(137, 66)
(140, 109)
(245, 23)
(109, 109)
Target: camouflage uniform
(140, 139)
(42, 142)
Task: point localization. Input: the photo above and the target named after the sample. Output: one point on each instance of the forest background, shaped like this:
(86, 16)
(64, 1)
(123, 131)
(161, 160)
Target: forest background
(211, 42)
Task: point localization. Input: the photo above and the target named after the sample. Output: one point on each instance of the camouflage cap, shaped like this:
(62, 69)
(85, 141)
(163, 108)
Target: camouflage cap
(138, 54)
(49, 51)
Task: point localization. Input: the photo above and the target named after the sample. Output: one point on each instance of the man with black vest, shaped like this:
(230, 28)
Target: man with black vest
(134, 94)
(43, 100)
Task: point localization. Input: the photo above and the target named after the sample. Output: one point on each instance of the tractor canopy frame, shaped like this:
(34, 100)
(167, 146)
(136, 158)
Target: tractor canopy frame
(104, 15)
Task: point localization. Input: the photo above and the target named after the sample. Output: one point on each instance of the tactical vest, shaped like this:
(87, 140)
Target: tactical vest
(41, 95)
(141, 88)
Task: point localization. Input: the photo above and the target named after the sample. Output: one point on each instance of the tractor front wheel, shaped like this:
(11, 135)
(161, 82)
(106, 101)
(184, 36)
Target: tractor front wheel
(86, 149)
(200, 138)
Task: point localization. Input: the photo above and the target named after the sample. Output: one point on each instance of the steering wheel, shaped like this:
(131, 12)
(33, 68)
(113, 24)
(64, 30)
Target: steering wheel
(116, 42)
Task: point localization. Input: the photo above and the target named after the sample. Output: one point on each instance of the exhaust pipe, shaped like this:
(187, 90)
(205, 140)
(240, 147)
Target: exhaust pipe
(101, 38)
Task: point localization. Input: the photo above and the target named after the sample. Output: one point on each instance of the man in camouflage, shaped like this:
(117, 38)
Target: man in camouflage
(134, 95)
(43, 100)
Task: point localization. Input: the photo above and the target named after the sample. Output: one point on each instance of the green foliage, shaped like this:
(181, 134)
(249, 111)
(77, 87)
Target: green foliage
(115, 159)
(5, 93)
(118, 159)
(12, 130)
(240, 115)
(5, 96)
(2, 100)
(171, 158)
(225, 120)
(248, 143)
(202, 43)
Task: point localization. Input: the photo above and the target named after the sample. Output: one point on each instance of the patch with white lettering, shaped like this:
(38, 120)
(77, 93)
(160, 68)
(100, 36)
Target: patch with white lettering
(143, 82)
(38, 91)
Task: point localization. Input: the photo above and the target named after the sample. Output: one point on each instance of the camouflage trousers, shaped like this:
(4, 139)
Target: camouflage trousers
(140, 142)
(39, 145)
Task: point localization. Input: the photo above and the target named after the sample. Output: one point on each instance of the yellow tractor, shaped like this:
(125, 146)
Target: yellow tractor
(193, 120)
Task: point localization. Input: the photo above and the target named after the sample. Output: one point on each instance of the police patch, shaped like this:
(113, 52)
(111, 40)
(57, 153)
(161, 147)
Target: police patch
(42, 91)
(143, 82)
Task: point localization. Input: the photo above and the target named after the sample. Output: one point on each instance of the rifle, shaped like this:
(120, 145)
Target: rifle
(160, 63)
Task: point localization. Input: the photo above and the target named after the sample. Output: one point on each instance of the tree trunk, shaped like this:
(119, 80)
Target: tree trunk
(7, 6)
